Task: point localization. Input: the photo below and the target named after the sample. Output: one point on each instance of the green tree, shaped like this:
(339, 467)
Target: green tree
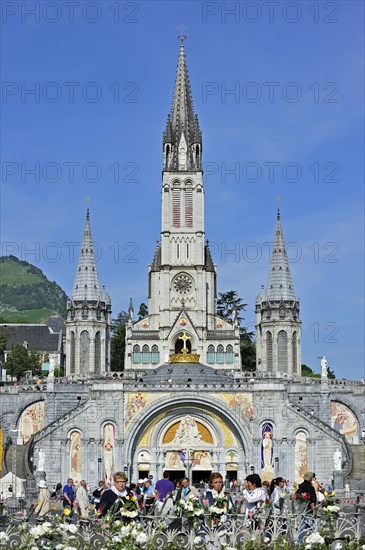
(143, 311)
(18, 361)
(35, 364)
(117, 341)
(309, 373)
(227, 302)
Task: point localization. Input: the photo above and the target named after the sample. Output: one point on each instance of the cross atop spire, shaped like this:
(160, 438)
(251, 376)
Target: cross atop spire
(182, 36)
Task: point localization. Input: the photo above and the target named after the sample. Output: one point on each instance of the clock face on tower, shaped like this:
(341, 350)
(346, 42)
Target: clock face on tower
(183, 284)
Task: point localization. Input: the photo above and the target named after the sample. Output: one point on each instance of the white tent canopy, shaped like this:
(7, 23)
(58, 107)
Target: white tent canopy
(10, 480)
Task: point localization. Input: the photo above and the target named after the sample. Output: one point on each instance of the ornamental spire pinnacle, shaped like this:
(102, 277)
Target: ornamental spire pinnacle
(86, 285)
(182, 139)
(280, 284)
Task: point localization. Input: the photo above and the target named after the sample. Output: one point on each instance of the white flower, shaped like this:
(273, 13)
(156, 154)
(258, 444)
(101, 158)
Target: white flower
(198, 540)
(315, 538)
(125, 530)
(216, 510)
(116, 538)
(333, 509)
(72, 528)
(141, 538)
(59, 546)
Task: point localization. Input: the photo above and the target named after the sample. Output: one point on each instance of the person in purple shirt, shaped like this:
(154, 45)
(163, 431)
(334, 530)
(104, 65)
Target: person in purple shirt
(165, 489)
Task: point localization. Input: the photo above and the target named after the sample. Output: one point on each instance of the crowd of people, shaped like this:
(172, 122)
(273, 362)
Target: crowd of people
(165, 494)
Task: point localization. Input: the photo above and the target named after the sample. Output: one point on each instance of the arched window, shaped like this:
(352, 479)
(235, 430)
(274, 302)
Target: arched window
(136, 355)
(84, 352)
(155, 355)
(282, 351)
(229, 354)
(72, 352)
(97, 352)
(146, 355)
(269, 351)
(220, 354)
(211, 354)
(295, 353)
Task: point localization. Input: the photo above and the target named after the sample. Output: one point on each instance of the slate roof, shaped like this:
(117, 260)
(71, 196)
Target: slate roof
(185, 373)
(38, 337)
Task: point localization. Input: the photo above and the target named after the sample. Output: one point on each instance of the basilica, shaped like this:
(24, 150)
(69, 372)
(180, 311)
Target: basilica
(184, 402)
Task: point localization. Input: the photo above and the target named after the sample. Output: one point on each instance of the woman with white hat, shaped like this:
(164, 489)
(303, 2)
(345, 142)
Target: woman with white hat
(43, 502)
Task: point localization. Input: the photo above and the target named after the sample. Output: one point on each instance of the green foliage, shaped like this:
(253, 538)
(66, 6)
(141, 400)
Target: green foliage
(227, 302)
(117, 341)
(24, 287)
(18, 361)
(143, 311)
(309, 373)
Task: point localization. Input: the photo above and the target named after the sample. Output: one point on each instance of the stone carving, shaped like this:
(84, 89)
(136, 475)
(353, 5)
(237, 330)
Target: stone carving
(324, 370)
(187, 432)
(41, 459)
(337, 460)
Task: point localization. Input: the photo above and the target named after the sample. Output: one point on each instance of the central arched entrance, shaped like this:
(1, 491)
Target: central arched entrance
(187, 435)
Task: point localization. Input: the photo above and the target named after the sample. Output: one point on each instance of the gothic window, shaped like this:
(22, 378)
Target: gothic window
(188, 208)
(269, 351)
(136, 355)
(84, 351)
(146, 355)
(97, 352)
(72, 352)
(220, 354)
(295, 352)
(211, 354)
(282, 351)
(176, 207)
(229, 354)
(155, 355)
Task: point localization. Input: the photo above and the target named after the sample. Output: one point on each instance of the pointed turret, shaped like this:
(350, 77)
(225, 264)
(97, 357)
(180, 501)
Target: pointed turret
(278, 327)
(280, 284)
(88, 318)
(182, 139)
(86, 285)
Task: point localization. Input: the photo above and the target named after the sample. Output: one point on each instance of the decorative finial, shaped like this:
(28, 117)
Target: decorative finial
(278, 215)
(182, 36)
(87, 214)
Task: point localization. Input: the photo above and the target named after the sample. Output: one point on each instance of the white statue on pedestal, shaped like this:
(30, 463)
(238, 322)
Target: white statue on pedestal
(324, 370)
(41, 458)
(337, 460)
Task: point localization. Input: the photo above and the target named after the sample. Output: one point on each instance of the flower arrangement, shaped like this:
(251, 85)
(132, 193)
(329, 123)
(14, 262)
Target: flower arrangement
(315, 540)
(130, 507)
(301, 497)
(219, 506)
(190, 507)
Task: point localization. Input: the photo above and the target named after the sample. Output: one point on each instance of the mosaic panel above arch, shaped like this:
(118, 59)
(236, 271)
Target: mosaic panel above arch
(31, 420)
(241, 403)
(343, 420)
(188, 430)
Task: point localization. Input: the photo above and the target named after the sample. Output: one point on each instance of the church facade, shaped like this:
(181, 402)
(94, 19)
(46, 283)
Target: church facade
(184, 402)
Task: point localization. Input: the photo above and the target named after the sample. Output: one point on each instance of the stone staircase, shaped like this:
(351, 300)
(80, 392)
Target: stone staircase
(358, 462)
(348, 464)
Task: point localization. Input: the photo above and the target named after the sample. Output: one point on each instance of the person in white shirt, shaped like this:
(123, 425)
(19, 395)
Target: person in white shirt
(253, 493)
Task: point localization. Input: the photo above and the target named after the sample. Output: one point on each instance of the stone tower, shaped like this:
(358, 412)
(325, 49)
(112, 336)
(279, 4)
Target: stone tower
(88, 317)
(182, 276)
(278, 327)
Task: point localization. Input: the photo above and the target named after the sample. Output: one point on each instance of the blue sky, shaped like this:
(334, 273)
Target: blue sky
(279, 94)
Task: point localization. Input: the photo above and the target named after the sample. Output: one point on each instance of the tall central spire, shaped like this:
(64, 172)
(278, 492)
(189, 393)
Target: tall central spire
(86, 285)
(182, 139)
